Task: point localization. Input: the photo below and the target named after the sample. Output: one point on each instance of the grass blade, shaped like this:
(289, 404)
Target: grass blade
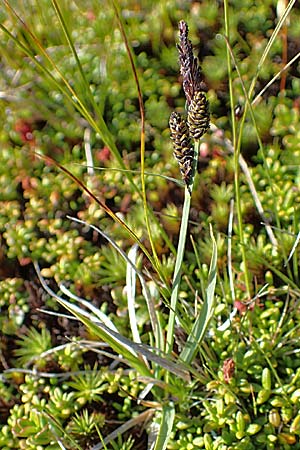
(131, 293)
(151, 308)
(166, 426)
(131, 351)
(143, 417)
(207, 310)
(66, 89)
(148, 212)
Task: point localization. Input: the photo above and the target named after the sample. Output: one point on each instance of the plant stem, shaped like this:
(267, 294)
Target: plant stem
(237, 147)
(180, 254)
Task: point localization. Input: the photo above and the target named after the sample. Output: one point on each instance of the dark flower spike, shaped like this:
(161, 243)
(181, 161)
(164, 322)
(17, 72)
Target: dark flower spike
(189, 67)
(197, 107)
(183, 150)
(198, 115)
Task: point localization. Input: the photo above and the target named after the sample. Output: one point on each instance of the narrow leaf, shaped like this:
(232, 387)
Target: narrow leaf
(166, 426)
(202, 321)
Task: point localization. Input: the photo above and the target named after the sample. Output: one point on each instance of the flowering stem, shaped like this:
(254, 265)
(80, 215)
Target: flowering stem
(180, 254)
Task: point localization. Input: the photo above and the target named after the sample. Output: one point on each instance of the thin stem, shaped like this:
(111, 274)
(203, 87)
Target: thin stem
(179, 258)
(237, 147)
(149, 216)
(237, 150)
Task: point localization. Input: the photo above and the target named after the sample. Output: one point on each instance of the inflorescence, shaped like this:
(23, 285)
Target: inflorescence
(197, 123)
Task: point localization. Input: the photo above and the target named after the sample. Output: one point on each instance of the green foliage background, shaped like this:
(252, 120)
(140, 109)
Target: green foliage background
(79, 394)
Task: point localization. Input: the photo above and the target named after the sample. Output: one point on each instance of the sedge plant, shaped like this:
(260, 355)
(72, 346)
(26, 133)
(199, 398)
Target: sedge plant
(155, 363)
(246, 404)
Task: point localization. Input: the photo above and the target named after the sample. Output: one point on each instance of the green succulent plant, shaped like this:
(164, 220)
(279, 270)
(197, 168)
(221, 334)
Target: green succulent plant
(14, 301)
(89, 386)
(123, 444)
(84, 424)
(32, 346)
(34, 429)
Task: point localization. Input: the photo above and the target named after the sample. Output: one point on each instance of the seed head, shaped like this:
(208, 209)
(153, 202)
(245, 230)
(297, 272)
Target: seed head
(198, 115)
(183, 150)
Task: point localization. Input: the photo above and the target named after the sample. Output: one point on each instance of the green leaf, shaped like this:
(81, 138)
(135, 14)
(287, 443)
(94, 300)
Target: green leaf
(130, 350)
(202, 321)
(166, 426)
